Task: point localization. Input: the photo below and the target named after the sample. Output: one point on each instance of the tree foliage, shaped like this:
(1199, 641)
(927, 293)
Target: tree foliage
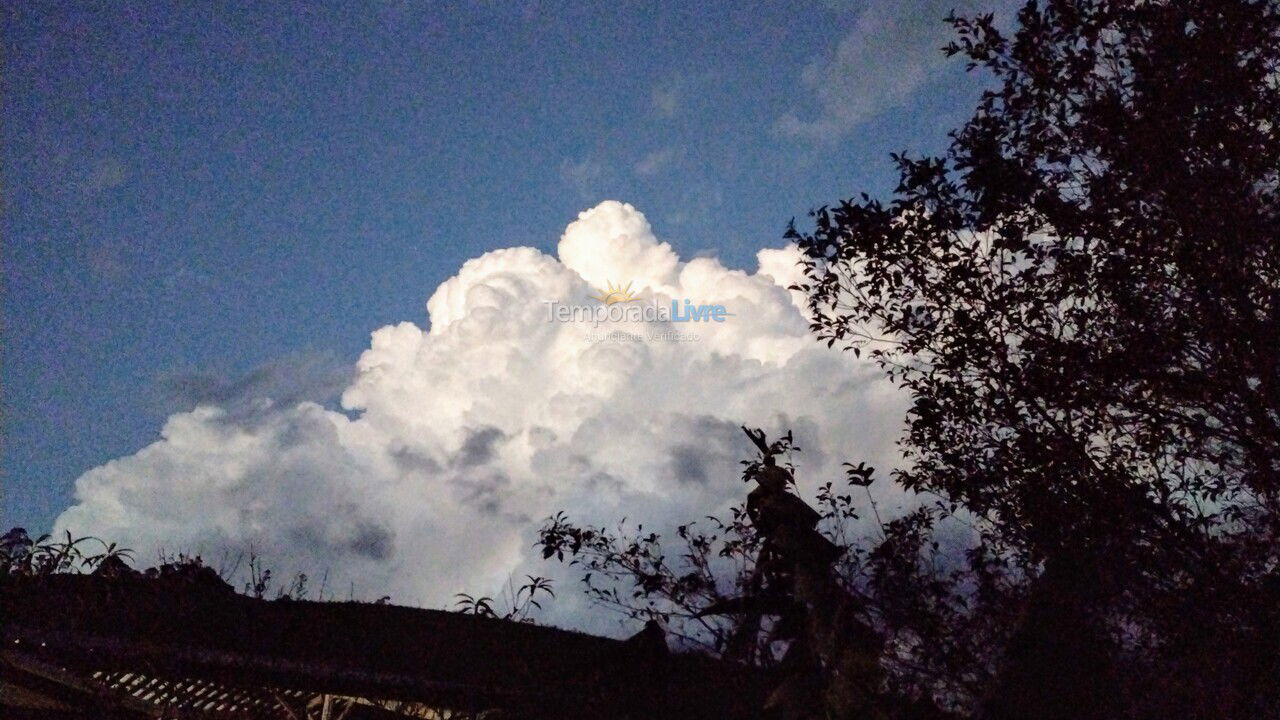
(521, 602)
(934, 616)
(1082, 297)
(22, 556)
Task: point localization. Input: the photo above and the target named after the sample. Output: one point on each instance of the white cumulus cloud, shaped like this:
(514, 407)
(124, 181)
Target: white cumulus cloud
(456, 439)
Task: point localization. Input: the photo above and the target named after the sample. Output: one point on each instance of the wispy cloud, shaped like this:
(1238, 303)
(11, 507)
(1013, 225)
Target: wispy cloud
(107, 173)
(584, 176)
(302, 376)
(893, 50)
(665, 100)
(656, 161)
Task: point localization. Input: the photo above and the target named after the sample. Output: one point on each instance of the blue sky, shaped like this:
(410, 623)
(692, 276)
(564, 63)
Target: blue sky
(208, 197)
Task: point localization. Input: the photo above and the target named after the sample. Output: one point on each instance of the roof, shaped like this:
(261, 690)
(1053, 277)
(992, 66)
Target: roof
(177, 637)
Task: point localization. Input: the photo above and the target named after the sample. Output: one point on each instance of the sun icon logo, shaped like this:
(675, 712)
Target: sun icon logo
(615, 294)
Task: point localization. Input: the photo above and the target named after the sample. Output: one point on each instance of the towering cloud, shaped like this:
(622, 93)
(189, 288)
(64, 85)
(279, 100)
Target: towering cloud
(457, 439)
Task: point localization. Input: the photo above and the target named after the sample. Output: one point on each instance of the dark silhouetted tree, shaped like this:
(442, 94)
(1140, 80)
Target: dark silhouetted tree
(1082, 297)
(848, 626)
